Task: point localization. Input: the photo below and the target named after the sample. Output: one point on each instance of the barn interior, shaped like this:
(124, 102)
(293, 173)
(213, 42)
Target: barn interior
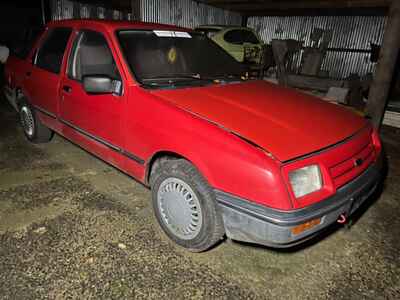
(73, 226)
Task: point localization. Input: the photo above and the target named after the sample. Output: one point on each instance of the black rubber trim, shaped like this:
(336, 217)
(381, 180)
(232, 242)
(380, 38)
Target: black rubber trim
(133, 157)
(93, 137)
(289, 161)
(45, 112)
(101, 141)
(363, 184)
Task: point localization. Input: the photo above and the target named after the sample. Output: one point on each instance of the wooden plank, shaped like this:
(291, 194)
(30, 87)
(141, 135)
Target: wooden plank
(295, 4)
(392, 119)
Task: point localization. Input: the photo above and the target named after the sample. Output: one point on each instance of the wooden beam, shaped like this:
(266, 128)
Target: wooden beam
(122, 5)
(354, 11)
(244, 21)
(243, 6)
(135, 7)
(380, 88)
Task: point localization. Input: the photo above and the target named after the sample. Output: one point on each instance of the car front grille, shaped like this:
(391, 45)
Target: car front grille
(353, 164)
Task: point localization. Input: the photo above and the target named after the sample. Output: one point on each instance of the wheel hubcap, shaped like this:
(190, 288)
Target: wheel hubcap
(179, 208)
(27, 120)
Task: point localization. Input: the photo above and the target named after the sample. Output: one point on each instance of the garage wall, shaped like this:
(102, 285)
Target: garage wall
(67, 9)
(349, 50)
(186, 13)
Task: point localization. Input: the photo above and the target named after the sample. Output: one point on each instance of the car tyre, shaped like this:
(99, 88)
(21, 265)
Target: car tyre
(184, 205)
(34, 130)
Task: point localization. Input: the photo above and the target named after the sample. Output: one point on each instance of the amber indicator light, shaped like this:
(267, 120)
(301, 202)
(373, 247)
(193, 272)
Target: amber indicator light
(305, 226)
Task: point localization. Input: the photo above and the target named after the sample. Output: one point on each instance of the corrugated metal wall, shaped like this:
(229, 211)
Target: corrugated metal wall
(349, 32)
(186, 13)
(353, 33)
(68, 9)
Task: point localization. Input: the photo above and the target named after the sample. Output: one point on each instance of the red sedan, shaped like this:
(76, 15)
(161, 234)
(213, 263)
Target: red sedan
(223, 155)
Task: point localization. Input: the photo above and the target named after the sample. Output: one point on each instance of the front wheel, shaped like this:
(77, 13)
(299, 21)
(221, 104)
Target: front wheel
(34, 129)
(185, 206)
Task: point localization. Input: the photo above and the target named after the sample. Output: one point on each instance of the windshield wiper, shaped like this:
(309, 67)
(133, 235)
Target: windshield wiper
(173, 77)
(183, 79)
(226, 77)
(174, 80)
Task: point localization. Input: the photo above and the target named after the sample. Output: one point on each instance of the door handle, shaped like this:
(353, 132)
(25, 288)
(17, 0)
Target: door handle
(28, 74)
(67, 89)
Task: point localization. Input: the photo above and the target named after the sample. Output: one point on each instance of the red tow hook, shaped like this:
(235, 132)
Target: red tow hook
(342, 219)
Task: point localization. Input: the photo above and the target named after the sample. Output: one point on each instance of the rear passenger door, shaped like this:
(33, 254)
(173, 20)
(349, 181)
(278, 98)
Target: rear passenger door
(42, 79)
(98, 116)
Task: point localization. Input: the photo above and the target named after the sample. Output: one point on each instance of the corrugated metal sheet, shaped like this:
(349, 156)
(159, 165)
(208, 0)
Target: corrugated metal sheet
(67, 9)
(186, 13)
(349, 32)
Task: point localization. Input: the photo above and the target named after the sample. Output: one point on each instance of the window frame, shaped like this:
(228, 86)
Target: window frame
(79, 34)
(46, 36)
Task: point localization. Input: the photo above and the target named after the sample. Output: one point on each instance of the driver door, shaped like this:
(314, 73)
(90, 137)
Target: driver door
(97, 116)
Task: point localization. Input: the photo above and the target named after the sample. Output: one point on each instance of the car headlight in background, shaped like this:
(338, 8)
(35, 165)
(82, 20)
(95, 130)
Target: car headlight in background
(305, 180)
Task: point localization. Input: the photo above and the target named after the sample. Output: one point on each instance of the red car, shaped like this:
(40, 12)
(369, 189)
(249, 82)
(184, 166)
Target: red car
(223, 155)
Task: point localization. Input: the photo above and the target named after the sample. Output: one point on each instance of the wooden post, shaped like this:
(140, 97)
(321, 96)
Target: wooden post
(244, 20)
(380, 87)
(135, 9)
(43, 13)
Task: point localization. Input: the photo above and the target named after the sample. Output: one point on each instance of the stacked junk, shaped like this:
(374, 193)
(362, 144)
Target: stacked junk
(279, 65)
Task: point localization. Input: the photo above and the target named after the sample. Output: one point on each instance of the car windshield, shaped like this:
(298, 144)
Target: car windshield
(177, 58)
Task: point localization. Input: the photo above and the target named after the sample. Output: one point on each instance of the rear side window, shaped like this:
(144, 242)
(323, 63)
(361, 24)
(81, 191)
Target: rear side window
(238, 37)
(91, 56)
(51, 53)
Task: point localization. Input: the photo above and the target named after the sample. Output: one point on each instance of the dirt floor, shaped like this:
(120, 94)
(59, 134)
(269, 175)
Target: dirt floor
(71, 226)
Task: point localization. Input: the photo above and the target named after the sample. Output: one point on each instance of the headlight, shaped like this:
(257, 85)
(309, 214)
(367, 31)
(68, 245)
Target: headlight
(305, 180)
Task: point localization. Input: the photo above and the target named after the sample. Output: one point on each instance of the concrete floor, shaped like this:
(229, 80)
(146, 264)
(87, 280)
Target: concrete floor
(73, 227)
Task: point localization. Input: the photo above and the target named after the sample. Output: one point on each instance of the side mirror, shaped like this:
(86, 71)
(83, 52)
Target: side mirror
(98, 84)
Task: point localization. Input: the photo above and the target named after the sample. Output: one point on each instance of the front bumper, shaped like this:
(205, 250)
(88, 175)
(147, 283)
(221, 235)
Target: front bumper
(249, 222)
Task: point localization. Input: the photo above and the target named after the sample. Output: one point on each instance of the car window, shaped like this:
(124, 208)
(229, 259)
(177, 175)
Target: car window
(51, 52)
(91, 56)
(167, 54)
(239, 36)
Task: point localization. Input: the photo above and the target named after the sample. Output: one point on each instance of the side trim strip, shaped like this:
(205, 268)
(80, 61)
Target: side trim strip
(133, 157)
(101, 141)
(43, 111)
(97, 139)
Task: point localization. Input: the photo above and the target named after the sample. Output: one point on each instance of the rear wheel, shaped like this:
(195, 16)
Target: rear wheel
(185, 206)
(34, 129)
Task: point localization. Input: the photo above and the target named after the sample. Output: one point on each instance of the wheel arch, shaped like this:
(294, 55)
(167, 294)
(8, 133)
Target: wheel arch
(167, 154)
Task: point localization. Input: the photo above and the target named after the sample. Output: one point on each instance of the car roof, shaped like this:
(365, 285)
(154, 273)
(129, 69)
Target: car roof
(112, 25)
(219, 27)
(223, 27)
